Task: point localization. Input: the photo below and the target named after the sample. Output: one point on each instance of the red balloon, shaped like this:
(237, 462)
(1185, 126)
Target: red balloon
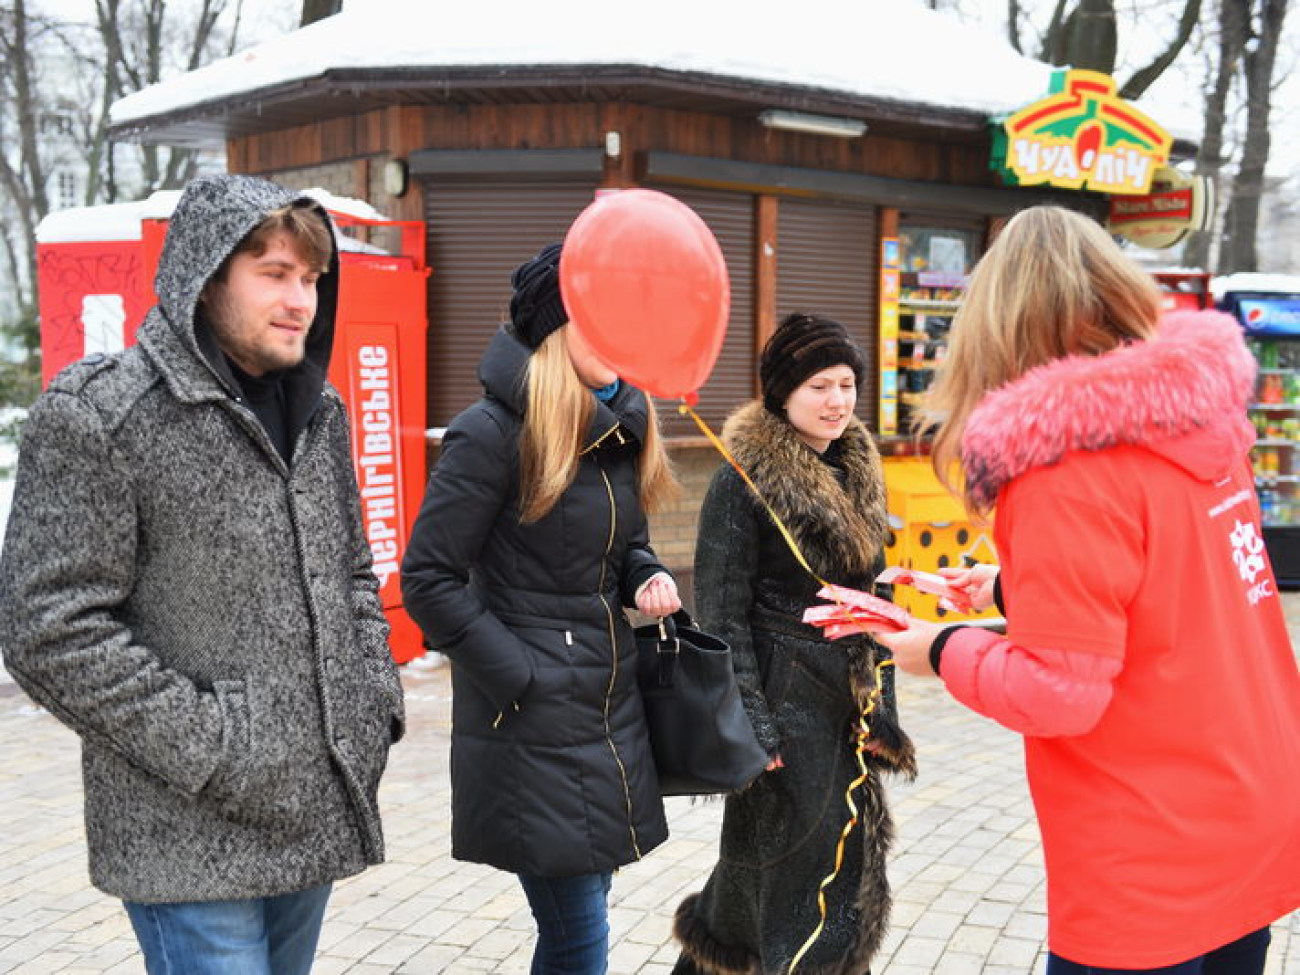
(645, 284)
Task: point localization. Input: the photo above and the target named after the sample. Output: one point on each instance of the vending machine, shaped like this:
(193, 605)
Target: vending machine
(1268, 307)
(95, 268)
(1184, 290)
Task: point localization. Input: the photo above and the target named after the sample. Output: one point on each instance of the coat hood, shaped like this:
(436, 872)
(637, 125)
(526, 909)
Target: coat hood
(502, 373)
(214, 214)
(1182, 394)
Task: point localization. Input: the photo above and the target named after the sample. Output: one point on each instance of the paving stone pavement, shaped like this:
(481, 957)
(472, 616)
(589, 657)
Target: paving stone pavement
(967, 867)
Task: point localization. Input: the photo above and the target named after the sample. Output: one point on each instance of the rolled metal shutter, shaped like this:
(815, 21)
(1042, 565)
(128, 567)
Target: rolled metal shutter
(827, 264)
(730, 216)
(478, 232)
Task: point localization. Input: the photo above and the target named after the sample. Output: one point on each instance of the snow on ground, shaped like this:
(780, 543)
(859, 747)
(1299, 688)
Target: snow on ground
(6, 493)
(8, 457)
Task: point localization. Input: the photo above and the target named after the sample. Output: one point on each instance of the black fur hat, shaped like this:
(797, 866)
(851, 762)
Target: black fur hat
(801, 346)
(536, 309)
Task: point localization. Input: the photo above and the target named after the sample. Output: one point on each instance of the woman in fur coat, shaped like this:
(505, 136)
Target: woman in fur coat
(1146, 658)
(817, 467)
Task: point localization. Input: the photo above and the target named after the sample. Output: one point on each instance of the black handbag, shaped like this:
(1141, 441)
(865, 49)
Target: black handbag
(703, 742)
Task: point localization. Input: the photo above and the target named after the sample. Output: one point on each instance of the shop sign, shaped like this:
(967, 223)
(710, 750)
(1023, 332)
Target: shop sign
(1082, 136)
(1178, 204)
(372, 380)
(1270, 316)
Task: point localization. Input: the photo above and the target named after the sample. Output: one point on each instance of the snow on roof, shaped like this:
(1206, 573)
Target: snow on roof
(121, 221)
(1248, 281)
(344, 204)
(109, 221)
(892, 49)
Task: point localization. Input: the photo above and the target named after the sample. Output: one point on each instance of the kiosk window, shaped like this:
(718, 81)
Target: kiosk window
(946, 250)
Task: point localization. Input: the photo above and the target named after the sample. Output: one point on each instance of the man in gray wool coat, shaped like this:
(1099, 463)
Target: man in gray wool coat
(186, 584)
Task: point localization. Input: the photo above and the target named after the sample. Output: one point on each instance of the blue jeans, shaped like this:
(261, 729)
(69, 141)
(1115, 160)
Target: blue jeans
(260, 936)
(1245, 956)
(572, 923)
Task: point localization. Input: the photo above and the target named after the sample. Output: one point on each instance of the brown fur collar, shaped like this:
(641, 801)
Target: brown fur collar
(840, 529)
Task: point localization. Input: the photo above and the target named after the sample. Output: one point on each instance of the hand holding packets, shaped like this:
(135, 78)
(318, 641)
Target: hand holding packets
(950, 597)
(853, 611)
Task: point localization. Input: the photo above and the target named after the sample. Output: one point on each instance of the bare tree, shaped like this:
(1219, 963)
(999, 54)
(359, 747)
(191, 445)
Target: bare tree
(143, 41)
(1086, 37)
(1086, 34)
(23, 170)
(1241, 221)
(1013, 24)
(1144, 77)
(314, 10)
(58, 81)
(1234, 29)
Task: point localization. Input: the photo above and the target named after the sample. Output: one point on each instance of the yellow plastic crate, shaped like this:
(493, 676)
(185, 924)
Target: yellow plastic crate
(930, 529)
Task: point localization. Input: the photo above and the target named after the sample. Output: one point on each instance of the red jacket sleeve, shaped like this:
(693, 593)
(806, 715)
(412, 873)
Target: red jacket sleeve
(1039, 692)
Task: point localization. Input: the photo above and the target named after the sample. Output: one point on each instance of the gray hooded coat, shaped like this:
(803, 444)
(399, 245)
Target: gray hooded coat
(201, 613)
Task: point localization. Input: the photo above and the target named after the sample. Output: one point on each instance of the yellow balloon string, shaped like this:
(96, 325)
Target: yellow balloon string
(862, 737)
(780, 525)
(862, 731)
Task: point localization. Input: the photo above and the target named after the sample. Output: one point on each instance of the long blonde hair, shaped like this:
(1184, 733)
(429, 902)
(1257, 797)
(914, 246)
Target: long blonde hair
(559, 414)
(1053, 284)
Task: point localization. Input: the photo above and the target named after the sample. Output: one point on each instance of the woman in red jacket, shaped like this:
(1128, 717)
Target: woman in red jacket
(1146, 659)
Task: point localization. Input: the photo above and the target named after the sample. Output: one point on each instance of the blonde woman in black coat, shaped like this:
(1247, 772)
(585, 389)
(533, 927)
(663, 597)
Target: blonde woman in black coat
(531, 540)
(817, 466)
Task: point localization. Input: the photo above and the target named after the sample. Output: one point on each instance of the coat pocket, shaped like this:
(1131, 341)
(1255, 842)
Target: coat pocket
(258, 781)
(777, 667)
(568, 685)
(366, 747)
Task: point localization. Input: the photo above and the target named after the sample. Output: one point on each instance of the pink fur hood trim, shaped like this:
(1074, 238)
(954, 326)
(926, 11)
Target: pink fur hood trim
(1182, 394)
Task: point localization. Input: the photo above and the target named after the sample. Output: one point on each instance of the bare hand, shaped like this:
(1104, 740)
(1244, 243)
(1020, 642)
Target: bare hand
(658, 597)
(873, 745)
(775, 763)
(977, 582)
(911, 646)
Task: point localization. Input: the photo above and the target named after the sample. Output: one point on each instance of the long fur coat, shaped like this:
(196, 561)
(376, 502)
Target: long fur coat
(803, 695)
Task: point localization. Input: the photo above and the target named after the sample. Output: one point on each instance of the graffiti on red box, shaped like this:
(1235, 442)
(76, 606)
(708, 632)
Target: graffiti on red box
(93, 296)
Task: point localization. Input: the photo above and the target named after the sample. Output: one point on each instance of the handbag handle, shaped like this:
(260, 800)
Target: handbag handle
(667, 650)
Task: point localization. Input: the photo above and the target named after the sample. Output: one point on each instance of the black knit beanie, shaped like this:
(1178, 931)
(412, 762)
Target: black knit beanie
(536, 309)
(801, 346)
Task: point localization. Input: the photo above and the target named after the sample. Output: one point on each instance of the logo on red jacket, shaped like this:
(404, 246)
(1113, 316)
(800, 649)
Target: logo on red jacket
(1248, 555)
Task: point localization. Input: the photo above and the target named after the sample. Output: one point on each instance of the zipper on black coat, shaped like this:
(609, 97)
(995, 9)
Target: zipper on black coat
(613, 670)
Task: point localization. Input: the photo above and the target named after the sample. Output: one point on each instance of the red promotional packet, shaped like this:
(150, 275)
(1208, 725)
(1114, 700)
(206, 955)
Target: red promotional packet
(929, 582)
(852, 611)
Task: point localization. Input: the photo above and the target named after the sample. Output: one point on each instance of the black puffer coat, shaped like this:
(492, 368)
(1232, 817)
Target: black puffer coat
(550, 767)
(804, 695)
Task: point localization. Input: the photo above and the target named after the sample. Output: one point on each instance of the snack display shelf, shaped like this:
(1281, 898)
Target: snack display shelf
(924, 320)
